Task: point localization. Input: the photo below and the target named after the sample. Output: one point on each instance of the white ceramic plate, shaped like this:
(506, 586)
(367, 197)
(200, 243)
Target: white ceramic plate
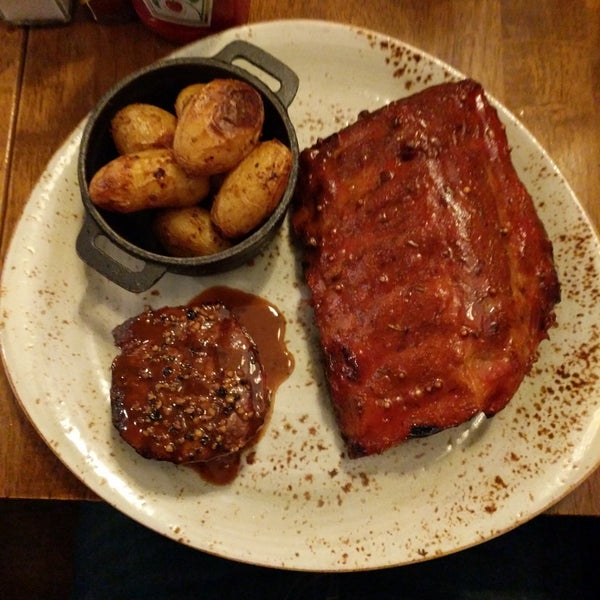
(301, 504)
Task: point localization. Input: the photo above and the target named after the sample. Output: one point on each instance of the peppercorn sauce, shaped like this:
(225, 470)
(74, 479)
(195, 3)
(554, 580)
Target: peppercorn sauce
(189, 385)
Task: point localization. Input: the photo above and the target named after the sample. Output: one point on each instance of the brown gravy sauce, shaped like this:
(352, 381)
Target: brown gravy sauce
(266, 325)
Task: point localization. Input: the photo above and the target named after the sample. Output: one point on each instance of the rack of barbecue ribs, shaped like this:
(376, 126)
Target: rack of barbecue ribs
(431, 275)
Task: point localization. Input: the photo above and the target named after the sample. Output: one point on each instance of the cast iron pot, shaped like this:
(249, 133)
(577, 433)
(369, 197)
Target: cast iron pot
(122, 247)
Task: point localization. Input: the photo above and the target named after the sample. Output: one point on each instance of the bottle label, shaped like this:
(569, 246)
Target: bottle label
(193, 13)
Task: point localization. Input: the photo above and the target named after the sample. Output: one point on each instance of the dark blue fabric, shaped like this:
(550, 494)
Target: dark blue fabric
(548, 558)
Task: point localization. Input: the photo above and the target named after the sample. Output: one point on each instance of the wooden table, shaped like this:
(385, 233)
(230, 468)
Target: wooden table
(541, 59)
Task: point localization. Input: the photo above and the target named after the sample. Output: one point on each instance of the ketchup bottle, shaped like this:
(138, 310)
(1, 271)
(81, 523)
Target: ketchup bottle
(183, 21)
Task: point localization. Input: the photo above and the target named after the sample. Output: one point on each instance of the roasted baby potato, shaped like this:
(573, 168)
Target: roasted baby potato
(187, 232)
(146, 179)
(218, 127)
(141, 126)
(184, 96)
(251, 191)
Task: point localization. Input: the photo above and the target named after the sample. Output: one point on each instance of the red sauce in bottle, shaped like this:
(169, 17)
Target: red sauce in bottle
(266, 325)
(183, 21)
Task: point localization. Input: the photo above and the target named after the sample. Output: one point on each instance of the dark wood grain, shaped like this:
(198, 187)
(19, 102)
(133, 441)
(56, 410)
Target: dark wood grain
(12, 54)
(540, 59)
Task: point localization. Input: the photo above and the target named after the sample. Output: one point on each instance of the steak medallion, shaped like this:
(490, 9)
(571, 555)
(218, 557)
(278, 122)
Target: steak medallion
(187, 385)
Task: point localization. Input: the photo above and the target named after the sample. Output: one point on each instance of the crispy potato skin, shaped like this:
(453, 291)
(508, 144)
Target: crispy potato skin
(187, 232)
(146, 179)
(218, 127)
(252, 190)
(185, 95)
(141, 126)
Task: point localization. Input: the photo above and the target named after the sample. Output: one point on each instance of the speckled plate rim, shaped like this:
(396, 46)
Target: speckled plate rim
(299, 504)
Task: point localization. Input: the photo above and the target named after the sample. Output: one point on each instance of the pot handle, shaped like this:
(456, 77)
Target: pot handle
(288, 80)
(99, 258)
